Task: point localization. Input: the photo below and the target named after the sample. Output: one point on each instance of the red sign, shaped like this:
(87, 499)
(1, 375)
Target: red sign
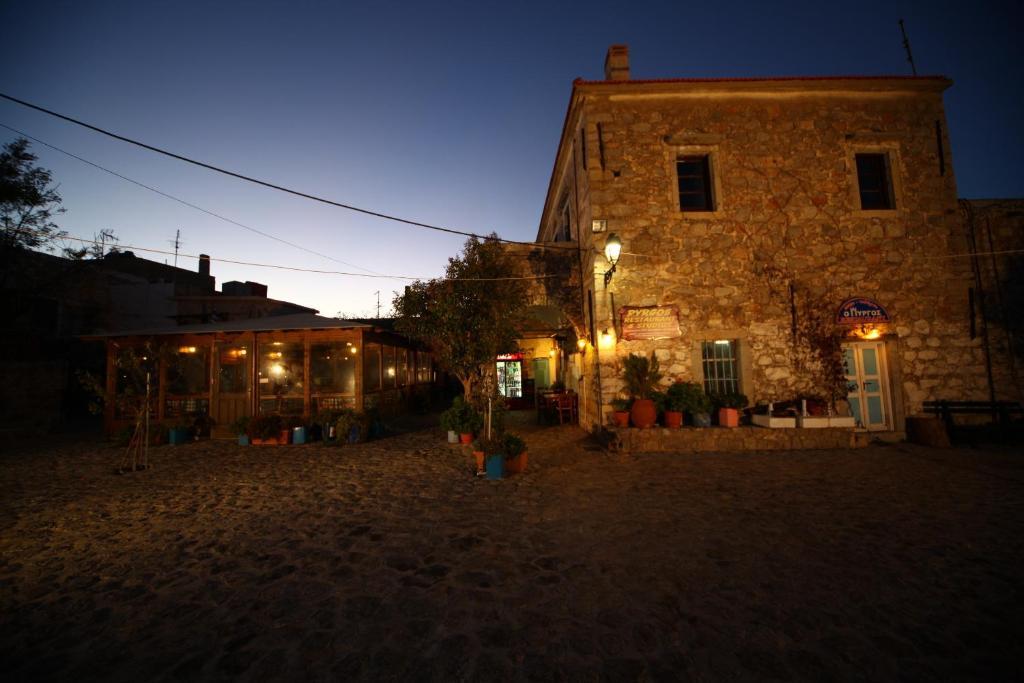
(649, 322)
(859, 310)
(510, 356)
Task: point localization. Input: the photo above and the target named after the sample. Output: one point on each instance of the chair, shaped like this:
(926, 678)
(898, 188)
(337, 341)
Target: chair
(567, 408)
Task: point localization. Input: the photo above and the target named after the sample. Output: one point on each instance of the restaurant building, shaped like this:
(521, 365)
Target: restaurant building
(755, 213)
(291, 365)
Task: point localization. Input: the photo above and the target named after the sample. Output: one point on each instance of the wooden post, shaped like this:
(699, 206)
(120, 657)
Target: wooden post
(360, 348)
(110, 388)
(307, 378)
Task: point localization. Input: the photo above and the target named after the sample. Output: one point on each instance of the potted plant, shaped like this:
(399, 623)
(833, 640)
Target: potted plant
(729, 407)
(621, 407)
(448, 423)
(241, 428)
(266, 430)
(641, 374)
(558, 386)
(515, 453)
(494, 456)
(328, 421)
(349, 426)
(700, 408)
(676, 403)
(478, 456)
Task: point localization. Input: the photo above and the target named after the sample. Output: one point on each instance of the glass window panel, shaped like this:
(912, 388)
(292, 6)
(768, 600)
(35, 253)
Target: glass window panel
(873, 181)
(874, 409)
(402, 367)
(281, 369)
(371, 367)
(187, 370)
(719, 361)
(870, 359)
(332, 368)
(233, 368)
(390, 370)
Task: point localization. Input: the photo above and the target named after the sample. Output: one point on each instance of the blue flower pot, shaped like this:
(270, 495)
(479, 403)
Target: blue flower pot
(353, 434)
(495, 466)
(177, 436)
(299, 435)
(243, 439)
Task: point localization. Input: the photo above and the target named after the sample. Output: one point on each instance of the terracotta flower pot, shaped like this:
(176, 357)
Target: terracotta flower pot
(728, 417)
(644, 414)
(465, 439)
(621, 418)
(673, 419)
(284, 438)
(517, 464)
(479, 455)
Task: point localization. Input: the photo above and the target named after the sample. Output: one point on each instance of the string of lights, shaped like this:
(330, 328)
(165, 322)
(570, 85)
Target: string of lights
(316, 271)
(183, 202)
(273, 186)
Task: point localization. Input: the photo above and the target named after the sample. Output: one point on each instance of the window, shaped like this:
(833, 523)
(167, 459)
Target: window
(371, 367)
(332, 368)
(721, 366)
(563, 232)
(874, 182)
(694, 174)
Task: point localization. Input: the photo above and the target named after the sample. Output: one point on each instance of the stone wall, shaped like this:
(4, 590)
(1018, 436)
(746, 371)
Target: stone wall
(710, 439)
(787, 241)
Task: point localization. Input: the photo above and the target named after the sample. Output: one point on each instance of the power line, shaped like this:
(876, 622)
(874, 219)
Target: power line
(265, 183)
(182, 201)
(311, 270)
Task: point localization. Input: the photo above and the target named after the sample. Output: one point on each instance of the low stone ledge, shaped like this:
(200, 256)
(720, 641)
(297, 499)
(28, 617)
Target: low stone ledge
(746, 438)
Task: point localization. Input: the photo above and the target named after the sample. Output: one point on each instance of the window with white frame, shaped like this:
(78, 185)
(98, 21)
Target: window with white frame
(720, 363)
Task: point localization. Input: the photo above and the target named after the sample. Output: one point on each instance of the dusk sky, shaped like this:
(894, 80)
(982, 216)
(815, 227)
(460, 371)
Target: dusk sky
(446, 113)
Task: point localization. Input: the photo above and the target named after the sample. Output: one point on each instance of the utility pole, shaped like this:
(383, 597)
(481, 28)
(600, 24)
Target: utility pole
(177, 245)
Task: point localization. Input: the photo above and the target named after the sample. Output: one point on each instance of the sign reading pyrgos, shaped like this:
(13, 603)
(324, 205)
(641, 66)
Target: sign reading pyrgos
(860, 310)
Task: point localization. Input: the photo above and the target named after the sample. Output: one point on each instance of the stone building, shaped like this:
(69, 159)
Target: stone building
(758, 217)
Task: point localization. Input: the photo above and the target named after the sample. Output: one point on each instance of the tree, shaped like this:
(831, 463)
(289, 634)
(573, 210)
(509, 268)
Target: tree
(467, 317)
(28, 203)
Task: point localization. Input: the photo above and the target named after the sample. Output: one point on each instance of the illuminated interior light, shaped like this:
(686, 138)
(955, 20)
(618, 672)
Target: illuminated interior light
(187, 349)
(723, 342)
(276, 369)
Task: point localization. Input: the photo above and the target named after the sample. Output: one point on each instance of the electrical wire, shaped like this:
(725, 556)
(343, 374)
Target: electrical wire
(182, 201)
(264, 183)
(304, 270)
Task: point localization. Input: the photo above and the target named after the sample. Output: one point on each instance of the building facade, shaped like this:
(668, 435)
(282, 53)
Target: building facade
(758, 217)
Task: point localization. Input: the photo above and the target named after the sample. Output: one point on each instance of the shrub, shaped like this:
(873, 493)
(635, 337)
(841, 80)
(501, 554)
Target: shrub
(265, 427)
(641, 374)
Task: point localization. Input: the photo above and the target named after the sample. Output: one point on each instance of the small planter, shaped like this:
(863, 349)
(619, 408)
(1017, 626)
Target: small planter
(621, 418)
(517, 465)
(812, 421)
(353, 434)
(774, 422)
(479, 457)
(495, 466)
(453, 436)
(465, 439)
(243, 439)
(728, 417)
(284, 437)
(299, 435)
(673, 419)
(178, 435)
(701, 419)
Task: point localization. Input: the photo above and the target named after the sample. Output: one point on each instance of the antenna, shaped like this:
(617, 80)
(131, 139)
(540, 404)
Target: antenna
(906, 46)
(378, 302)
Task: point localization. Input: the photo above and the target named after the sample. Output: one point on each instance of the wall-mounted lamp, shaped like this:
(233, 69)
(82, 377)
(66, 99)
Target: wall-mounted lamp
(612, 249)
(870, 332)
(581, 344)
(607, 339)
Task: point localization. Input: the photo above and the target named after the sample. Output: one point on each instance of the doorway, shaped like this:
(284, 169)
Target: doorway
(867, 382)
(541, 374)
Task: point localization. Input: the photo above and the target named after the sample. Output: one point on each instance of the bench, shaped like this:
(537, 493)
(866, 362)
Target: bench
(1001, 411)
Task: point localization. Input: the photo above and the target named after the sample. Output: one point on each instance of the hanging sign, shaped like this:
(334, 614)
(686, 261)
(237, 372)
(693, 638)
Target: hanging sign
(859, 310)
(510, 356)
(649, 322)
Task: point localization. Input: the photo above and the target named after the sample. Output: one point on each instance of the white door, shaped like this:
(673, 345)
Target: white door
(867, 384)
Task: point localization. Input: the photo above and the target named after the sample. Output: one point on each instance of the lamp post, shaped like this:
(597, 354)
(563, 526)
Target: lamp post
(612, 249)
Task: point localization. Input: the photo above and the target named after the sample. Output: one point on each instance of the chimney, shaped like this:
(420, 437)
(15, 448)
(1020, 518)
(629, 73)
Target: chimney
(616, 63)
(204, 264)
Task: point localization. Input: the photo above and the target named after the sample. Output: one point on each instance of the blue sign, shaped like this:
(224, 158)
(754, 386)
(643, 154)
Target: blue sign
(858, 310)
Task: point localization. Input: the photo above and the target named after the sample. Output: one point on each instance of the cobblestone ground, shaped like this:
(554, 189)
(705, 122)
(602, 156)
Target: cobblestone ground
(390, 561)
